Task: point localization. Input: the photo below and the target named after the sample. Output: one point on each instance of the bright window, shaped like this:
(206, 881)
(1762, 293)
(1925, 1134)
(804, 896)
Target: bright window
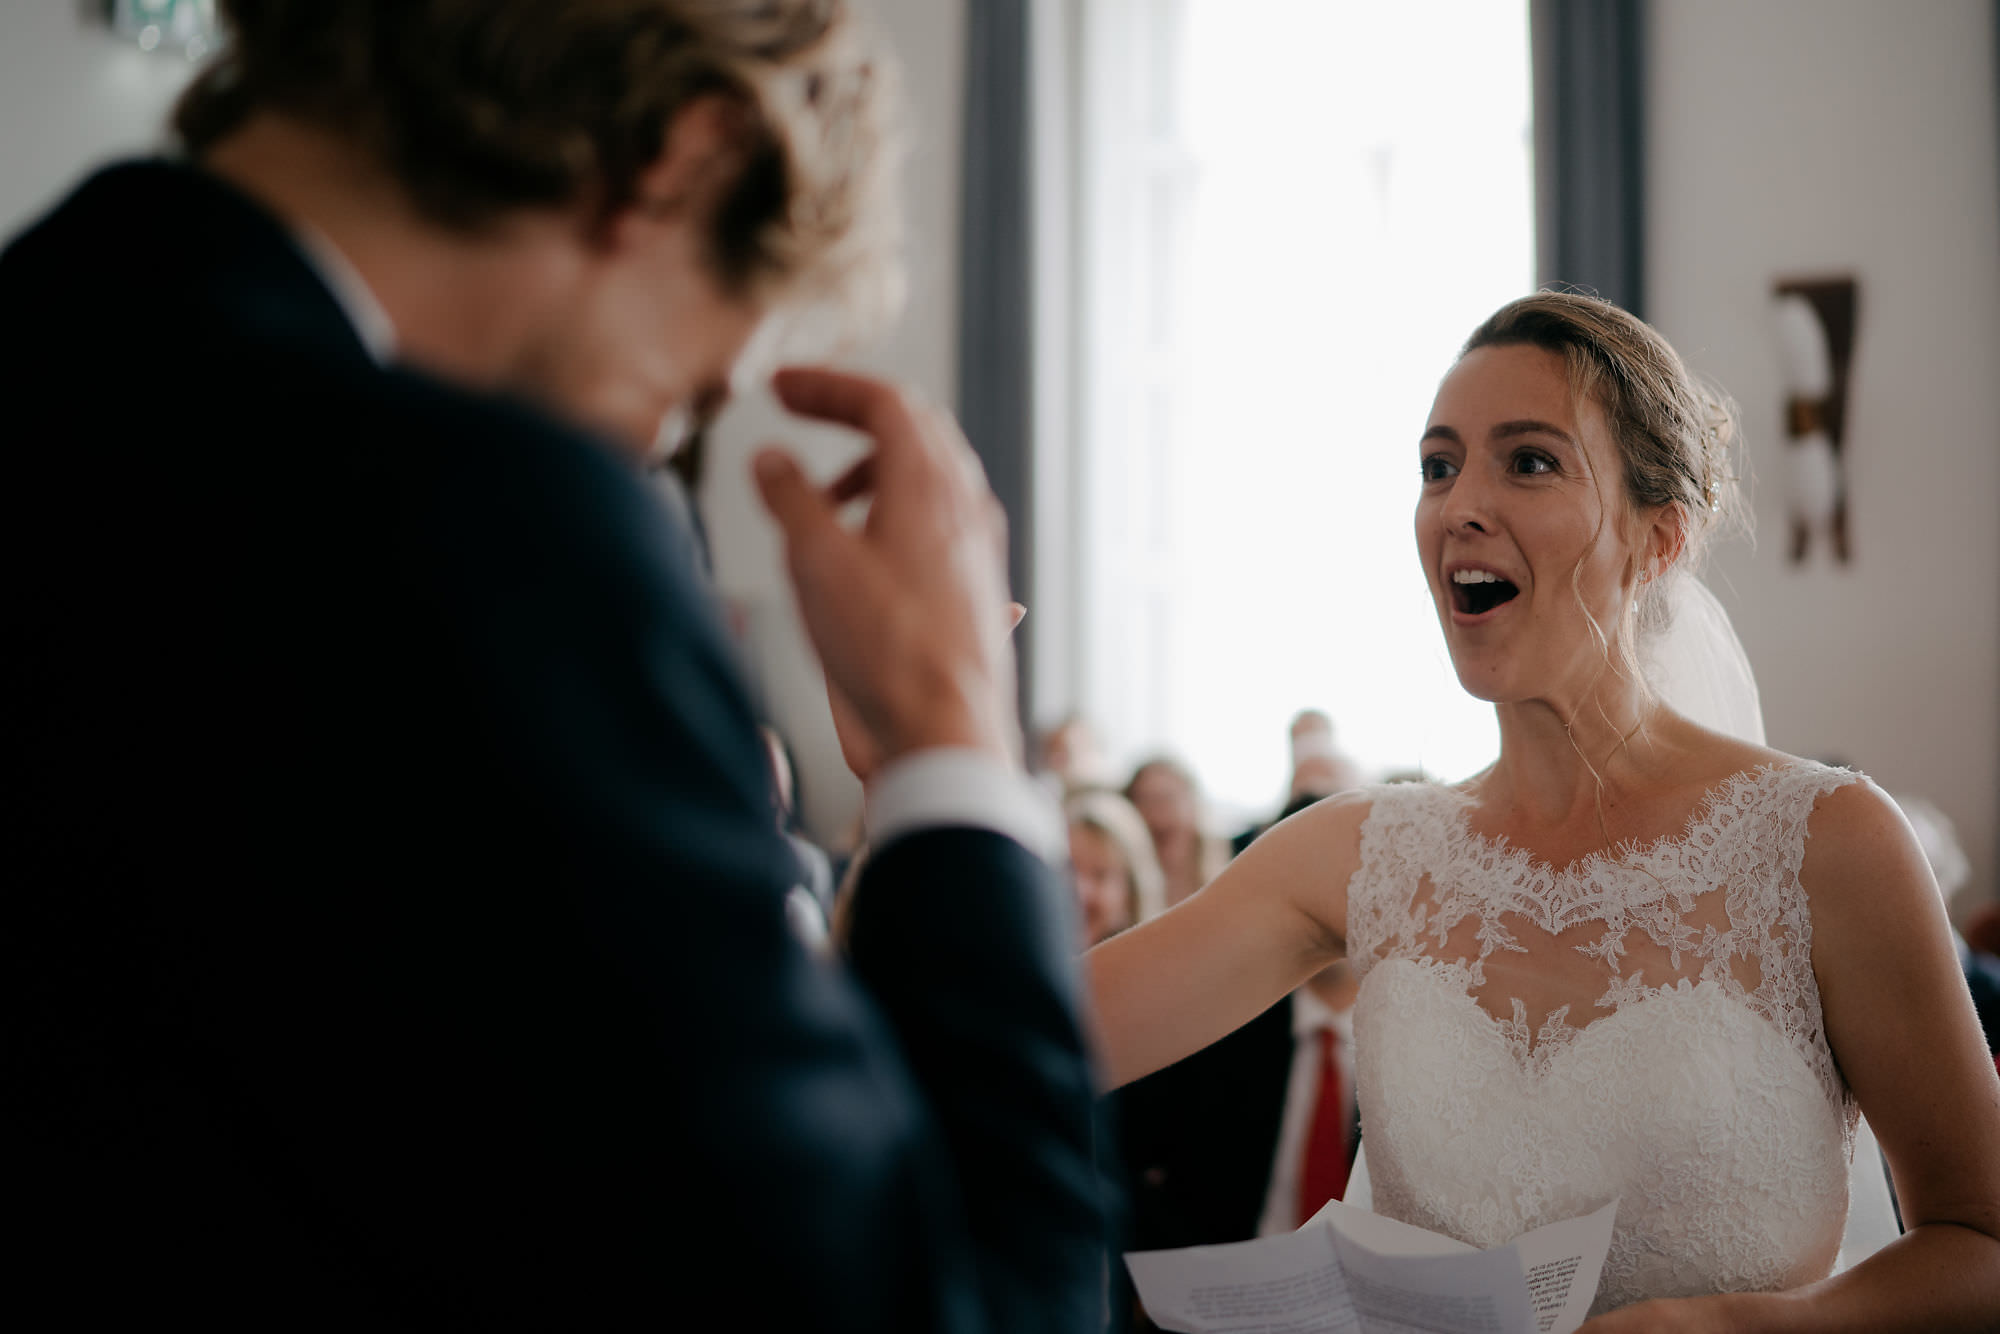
(1292, 213)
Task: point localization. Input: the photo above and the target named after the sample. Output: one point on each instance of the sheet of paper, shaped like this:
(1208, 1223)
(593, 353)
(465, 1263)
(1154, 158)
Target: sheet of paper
(1386, 1236)
(1289, 1284)
(1348, 1271)
(1562, 1263)
(1477, 1292)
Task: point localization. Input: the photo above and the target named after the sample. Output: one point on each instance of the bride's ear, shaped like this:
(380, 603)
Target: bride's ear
(1664, 539)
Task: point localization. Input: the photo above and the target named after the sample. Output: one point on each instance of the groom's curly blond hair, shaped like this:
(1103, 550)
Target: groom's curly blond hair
(480, 107)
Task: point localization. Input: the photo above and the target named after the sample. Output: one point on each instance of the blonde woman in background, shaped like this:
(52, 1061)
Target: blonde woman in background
(1117, 877)
(1166, 796)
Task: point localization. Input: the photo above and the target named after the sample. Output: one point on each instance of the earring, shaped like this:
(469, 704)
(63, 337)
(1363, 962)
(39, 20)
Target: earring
(1645, 575)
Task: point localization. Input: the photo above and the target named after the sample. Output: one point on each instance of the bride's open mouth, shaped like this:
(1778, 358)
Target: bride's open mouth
(1476, 592)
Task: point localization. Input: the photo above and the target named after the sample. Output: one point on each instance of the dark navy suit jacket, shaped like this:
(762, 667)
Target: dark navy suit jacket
(394, 932)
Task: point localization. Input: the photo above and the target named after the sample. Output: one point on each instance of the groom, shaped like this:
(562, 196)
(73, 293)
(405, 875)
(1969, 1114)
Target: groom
(395, 932)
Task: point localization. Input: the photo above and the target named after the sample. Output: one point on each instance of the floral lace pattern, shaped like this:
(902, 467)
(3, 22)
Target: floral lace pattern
(1645, 1023)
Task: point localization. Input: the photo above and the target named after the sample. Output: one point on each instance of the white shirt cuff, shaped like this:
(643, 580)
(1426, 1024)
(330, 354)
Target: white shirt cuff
(931, 788)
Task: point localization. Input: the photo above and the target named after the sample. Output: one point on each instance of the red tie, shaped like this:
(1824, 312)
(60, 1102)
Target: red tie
(1323, 1171)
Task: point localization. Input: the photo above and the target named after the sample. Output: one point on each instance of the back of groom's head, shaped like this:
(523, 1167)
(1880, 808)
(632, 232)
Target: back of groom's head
(481, 107)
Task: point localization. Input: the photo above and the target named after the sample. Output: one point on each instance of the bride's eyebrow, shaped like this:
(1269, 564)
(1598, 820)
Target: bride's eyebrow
(1529, 426)
(1439, 433)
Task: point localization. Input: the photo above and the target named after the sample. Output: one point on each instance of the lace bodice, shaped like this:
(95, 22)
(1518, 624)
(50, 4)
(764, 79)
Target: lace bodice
(1532, 1041)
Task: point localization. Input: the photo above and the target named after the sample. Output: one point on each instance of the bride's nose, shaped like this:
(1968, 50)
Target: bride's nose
(1468, 506)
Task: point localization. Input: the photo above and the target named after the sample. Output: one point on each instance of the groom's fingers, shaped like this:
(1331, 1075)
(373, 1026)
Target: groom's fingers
(868, 406)
(803, 515)
(915, 444)
(855, 483)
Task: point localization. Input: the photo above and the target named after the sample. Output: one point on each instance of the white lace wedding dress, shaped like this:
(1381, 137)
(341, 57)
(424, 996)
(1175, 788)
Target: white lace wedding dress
(1534, 1041)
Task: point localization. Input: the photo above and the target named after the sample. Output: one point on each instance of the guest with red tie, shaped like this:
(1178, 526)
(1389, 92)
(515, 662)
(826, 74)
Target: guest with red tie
(1321, 1130)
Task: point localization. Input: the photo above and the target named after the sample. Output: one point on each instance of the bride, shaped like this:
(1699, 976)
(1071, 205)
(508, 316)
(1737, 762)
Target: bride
(1635, 957)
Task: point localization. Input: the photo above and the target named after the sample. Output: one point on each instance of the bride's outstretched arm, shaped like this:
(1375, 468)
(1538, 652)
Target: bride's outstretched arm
(1902, 1027)
(1275, 916)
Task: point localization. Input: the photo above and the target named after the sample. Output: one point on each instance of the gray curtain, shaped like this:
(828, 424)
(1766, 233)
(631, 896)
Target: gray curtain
(995, 269)
(1590, 146)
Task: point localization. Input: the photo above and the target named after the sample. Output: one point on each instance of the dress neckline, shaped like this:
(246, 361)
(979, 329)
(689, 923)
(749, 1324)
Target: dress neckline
(1425, 873)
(1631, 852)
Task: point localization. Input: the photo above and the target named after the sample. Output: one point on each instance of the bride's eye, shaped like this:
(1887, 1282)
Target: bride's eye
(1436, 467)
(1533, 462)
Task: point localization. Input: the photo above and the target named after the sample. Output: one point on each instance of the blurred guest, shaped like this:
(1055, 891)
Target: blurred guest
(1167, 799)
(1070, 756)
(1319, 767)
(1118, 879)
(1321, 1131)
(1982, 929)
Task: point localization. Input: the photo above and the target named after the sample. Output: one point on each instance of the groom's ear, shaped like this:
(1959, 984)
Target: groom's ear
(701, 154)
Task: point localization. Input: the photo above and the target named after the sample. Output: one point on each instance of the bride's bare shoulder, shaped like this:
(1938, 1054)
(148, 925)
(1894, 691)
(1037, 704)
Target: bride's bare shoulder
(1305, 862)
(1316, 845)
(1337, 818)
(1855, 832)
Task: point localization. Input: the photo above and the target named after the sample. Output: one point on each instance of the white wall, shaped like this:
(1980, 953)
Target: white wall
(928, 39)
(1807, 136)
(72, 95)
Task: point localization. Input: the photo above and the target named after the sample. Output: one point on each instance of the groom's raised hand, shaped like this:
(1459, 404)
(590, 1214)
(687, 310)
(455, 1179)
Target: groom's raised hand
(910, 614)
(857, 746)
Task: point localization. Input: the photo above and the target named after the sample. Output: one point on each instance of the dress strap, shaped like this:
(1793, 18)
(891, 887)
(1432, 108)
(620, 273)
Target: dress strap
(1408, 830)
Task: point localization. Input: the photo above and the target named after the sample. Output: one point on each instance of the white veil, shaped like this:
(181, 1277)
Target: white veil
(1696, 665)
(1699, 670)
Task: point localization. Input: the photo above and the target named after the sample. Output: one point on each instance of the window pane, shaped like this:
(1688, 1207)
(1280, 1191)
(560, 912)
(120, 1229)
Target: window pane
(1321, 201)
